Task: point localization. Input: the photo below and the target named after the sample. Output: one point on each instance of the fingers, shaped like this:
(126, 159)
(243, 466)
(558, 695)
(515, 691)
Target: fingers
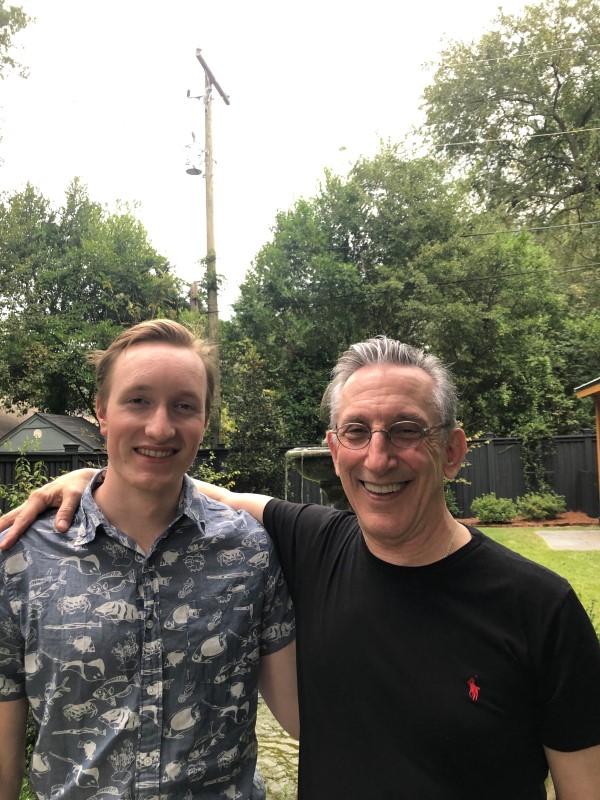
(66, 512)
(64, 492)
(21, 518)
(6, 520)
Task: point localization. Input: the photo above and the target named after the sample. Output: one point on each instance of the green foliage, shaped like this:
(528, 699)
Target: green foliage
(257, 438)
(70, 281)
(490, 509)
(533, 506)
(392, 248)
(451, 502)
(208, 471)
(12, 20)
(338, 270)
(516, 114)
(501, 108)
(28, 476)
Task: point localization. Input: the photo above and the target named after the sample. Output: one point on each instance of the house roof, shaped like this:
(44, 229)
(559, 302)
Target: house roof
(51, 433)
(592, 387)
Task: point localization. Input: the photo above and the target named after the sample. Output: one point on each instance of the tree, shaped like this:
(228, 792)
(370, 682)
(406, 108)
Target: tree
(70, 280)
(518, 114)
(491, 309)
(394, 248)
(520, 109)
(12, 20)
(257, 438)
(336, 271)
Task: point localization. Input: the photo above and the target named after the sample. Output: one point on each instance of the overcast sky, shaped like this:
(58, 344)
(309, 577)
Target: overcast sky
(312, 84)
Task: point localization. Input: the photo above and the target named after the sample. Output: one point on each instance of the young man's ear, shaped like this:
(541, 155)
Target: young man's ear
(101, 417)
(456, 450)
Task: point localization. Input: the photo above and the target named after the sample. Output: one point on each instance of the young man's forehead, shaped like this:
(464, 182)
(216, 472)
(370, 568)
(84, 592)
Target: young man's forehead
(136, 363)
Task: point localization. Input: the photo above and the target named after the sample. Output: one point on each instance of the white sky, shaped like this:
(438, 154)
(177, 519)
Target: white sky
(312, 84)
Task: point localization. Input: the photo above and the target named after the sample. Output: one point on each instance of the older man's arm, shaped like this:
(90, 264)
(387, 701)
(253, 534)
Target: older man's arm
(13, 715)
(278, 686)
(576, 775)
(254, 504)
(65, 493)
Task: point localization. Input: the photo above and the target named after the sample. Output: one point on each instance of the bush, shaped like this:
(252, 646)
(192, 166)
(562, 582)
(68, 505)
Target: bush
(488, 508)
(540, 506)
(451, 502)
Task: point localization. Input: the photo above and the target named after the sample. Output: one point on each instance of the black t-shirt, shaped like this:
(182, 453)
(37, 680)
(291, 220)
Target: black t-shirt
(440, 682)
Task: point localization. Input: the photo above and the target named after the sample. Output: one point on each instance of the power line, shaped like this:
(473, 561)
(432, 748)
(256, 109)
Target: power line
(303, 302)
(529, 55)
(538, 228)
(524, 136)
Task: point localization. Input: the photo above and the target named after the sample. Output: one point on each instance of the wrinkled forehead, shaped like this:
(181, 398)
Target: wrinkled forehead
(390, 390)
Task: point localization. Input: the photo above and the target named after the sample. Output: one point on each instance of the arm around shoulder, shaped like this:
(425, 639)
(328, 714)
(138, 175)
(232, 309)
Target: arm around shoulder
(254, 504)
(576, 775)
(13, 715)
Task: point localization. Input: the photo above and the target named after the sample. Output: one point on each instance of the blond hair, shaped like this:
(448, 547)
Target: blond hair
(165, 331)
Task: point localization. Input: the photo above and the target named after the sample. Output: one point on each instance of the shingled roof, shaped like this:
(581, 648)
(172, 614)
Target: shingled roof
(53, 433)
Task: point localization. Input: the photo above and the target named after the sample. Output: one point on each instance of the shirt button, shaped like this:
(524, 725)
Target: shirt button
(149, 624)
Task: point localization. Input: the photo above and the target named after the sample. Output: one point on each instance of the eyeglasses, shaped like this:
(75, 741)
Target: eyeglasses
(405, 434)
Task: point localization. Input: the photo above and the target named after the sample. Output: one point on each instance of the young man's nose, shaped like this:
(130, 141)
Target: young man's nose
(159, 425)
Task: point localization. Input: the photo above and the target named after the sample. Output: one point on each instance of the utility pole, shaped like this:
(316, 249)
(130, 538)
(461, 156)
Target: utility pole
(211, 257)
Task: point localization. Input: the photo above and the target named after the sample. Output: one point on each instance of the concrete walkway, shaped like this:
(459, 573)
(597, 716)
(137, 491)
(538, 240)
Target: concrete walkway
(571, 539)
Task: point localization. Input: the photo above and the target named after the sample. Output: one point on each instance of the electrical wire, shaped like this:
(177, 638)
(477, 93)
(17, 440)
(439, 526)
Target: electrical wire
(526, 55)
(523, 136)
(538, 228)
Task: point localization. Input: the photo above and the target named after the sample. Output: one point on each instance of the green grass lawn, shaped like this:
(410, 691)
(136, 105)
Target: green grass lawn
(580, 567)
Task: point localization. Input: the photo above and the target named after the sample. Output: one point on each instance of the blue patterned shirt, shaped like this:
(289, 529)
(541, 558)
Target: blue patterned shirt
(142, 669)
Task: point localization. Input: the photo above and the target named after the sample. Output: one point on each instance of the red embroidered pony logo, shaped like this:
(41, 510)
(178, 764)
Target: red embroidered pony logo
(473, 689)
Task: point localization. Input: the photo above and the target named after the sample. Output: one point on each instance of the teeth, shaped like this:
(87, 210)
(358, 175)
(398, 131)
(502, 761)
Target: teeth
(154, 453)
(378, 488)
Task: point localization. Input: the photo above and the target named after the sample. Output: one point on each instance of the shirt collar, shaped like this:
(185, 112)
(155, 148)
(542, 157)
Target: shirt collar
(89, 517)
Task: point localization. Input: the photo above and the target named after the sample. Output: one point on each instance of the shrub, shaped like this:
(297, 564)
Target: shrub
(451, 501)
(28, 477)
(488, 508)
(540, 506)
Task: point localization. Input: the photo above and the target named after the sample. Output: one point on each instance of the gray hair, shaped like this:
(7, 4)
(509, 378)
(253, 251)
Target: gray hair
(382, 350)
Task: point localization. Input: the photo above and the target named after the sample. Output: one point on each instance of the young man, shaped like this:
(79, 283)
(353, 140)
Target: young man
(433, 664)
(140, 639)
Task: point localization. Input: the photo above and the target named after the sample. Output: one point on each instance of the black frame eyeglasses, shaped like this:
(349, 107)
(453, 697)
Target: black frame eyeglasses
(403, 435)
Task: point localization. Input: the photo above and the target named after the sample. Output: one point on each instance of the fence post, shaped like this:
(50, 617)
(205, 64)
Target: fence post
(492, 467)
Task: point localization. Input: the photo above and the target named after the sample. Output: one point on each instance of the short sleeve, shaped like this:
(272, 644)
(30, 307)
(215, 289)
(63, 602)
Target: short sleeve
(569, 697)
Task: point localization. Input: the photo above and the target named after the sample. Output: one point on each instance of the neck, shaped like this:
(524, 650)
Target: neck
(143, 516)
(419, 548)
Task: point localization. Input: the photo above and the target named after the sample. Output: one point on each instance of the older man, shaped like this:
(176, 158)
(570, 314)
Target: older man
(433, 664)
(139, 639)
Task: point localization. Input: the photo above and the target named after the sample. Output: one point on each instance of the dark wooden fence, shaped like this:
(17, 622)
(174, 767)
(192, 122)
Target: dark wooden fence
(496, 465)
(492, 465)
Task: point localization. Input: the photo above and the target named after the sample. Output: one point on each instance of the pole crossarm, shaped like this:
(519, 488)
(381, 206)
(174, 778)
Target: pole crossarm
(210, 76)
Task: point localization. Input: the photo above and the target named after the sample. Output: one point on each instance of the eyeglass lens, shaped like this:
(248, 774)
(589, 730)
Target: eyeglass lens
(355, 435)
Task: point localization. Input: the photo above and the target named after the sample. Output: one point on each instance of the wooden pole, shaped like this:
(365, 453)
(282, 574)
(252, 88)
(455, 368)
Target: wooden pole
(211, 267)
(212, 300)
